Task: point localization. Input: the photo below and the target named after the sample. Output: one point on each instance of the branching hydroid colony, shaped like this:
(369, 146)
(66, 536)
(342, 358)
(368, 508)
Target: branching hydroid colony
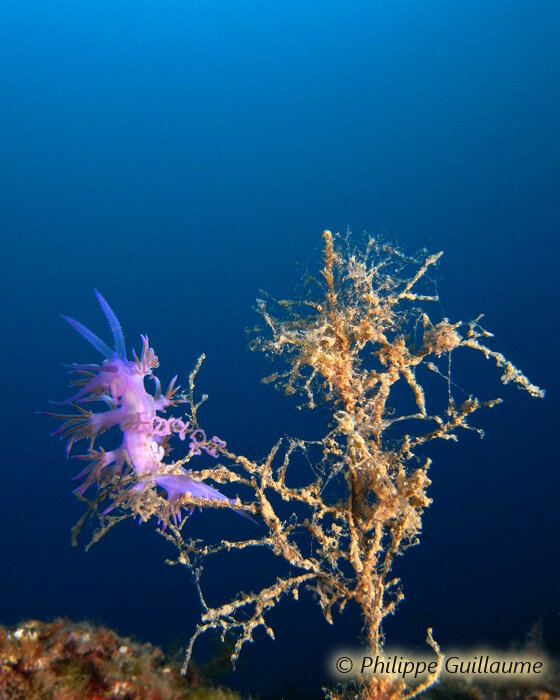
(365, 332)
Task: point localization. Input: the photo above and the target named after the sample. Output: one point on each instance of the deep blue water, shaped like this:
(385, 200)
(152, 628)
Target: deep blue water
(180, 157)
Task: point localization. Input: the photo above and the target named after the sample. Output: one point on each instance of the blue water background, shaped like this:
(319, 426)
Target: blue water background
(180, 156)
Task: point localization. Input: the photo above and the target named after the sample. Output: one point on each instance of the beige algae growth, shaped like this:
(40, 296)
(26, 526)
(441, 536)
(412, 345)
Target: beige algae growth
(368, 323)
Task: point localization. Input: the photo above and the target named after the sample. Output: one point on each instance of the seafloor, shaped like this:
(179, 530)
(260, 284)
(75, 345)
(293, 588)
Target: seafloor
(65, 660)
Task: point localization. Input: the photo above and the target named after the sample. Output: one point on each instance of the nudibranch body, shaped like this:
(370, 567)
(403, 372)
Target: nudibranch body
(119, 384)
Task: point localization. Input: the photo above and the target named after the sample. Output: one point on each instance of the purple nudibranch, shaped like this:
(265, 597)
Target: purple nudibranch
(118, 384)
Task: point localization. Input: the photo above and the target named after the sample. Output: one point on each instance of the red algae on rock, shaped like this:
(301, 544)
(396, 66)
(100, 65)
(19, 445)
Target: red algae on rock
(65, 660)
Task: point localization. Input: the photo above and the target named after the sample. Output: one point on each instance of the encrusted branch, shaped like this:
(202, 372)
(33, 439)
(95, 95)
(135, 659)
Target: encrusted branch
(367, 327)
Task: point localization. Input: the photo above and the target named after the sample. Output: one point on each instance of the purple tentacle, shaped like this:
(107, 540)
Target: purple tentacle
(116, 330)
(97, 343)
